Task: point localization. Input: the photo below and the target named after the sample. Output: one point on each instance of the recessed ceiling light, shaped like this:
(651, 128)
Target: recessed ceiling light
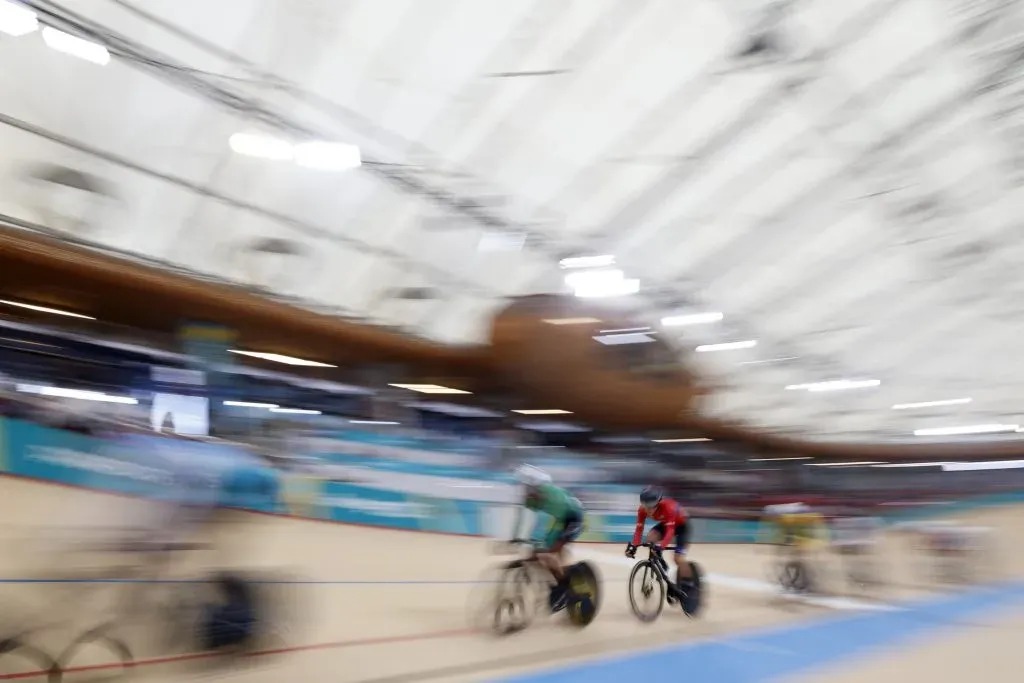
(931, 404)
(627, 338)
(75, 46)
(727, 346)
(429, 388)
(279, 358)
(250, 404)
(572, 321)
(296, 411)
(835, 385)
(587, 261)
(373, 422)
(679, 440)
(45, 309)
(16, 20)
(691, 319)
(968, 429)
(543, 411)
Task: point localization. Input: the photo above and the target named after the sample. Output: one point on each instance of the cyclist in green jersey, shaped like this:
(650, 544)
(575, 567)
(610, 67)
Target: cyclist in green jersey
(566, 514)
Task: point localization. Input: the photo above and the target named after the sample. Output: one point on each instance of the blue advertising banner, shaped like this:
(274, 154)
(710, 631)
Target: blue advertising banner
(141, 465)
(376, 507)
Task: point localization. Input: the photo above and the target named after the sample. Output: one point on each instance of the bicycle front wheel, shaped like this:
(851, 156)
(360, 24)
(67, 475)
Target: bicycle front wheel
(646, 591)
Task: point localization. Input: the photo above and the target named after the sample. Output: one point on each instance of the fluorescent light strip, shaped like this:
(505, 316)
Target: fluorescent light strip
(835, 385)
(781, 359)
(45, 309)
(16, 20)
(544, 411)
(727, 346)
(327, 156)
(58, 392)
(572, 321)
(296, 411)
(692, 319)
(429, 388)
(279, 358)
(779, 459)
(843, 464)
(75, 46)
(620, 339)
(373, 422)
(678, 440)
(911, 464)
(629, 330)
(931, 404)
(587, 261)
(968, 429)
(250, 404)
(985, 465)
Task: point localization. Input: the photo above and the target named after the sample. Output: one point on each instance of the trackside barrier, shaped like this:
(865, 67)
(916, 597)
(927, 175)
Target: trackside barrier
(137, 464)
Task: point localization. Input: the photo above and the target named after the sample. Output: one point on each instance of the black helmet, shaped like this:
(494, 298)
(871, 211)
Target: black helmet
(651, 495)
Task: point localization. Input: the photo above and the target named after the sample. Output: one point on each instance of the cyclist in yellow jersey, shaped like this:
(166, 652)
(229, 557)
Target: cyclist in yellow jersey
(796, 531)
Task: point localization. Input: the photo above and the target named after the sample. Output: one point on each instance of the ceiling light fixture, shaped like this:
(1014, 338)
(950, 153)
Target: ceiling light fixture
(250, 404)
(296, 411)
(45, 309)
(373, 422)
(597, 284)
(983, 465)
(910, 464)
(781, 359)
(931, 404)
(327, 156)
(618, 339)
(779, 459)
(588, 261)
(843, 464)
(727, 346)
(544, 411)
(835, 385)
(968, 429)
(58, 392)
(626, 330)
(429, 388)
(572, 321)
(279, 358)
(75, 46)
(16, 20)
(679, 440)
(692, 319)
(261, 146)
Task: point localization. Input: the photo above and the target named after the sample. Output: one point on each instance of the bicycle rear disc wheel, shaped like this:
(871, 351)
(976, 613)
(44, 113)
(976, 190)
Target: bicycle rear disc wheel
(646, 587)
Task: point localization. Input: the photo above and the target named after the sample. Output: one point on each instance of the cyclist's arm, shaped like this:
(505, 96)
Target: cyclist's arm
(670, 524)
(517, 526)
(641, 518)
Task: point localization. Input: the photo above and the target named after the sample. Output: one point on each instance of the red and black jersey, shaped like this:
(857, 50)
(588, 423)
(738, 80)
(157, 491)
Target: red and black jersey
(668, 512)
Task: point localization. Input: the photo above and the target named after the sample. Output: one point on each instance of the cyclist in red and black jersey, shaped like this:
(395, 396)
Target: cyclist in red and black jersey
(672, 523)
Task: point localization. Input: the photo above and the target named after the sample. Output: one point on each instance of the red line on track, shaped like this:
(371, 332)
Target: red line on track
(173, 659)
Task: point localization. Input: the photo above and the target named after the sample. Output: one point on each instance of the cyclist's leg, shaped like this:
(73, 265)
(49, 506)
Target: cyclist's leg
(684, 572)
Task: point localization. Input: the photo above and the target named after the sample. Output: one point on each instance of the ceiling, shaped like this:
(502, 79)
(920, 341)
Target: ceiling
(838, 179)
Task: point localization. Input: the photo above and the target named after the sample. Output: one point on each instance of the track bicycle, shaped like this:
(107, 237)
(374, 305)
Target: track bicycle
(526, 588)
(654, 581)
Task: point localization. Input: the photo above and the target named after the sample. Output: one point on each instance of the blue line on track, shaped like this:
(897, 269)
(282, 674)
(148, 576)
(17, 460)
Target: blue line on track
(782, 652)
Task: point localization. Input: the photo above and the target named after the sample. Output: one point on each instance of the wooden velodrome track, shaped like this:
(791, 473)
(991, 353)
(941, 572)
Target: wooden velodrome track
(381, 606)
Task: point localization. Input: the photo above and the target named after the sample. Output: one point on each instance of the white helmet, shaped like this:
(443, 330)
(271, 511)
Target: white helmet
(531, 476)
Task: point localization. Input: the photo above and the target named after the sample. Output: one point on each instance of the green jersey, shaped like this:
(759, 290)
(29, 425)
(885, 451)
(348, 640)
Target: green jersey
(553, 501)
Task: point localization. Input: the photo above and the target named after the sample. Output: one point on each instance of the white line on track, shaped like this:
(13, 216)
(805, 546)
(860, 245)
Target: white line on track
(754, 586)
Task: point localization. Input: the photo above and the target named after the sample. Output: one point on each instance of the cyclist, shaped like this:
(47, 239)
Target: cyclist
(566, 515)
(672, 522)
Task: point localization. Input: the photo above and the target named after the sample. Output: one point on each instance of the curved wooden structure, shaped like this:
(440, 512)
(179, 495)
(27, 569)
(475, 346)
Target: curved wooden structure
(553, 365)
